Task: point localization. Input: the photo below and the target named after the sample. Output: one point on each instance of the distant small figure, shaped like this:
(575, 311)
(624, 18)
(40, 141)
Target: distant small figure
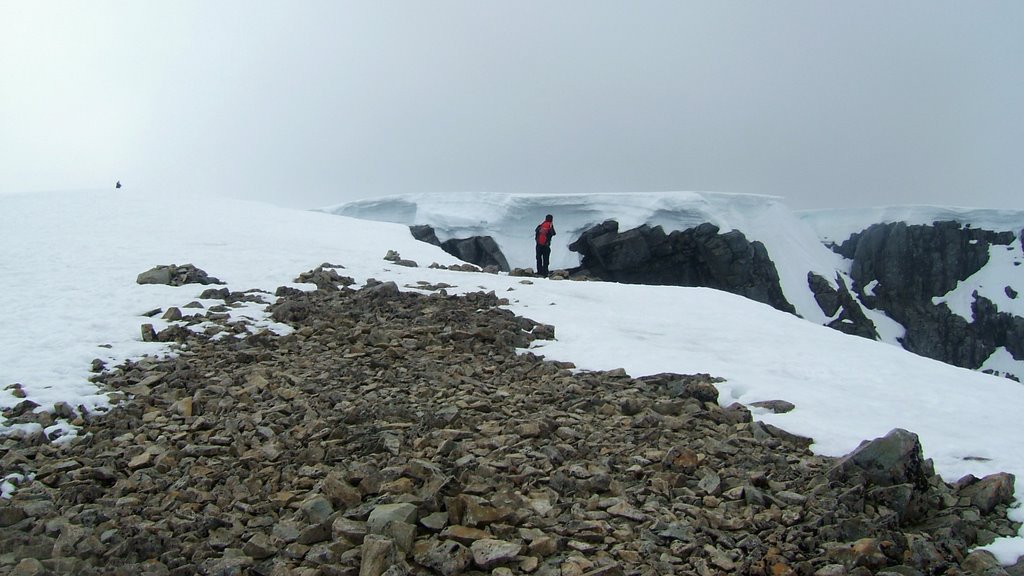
(118, 185)
(545, 230)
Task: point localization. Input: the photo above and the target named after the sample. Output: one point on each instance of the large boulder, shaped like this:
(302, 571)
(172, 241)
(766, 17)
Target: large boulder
(425, 233)
(699, 257)
(896, 458)
(894, 474)
(480, 250)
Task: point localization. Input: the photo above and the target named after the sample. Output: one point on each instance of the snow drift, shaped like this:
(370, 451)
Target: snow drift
(797, 243)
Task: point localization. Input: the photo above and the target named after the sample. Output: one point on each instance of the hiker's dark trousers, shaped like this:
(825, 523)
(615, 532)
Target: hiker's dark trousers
(543, 258)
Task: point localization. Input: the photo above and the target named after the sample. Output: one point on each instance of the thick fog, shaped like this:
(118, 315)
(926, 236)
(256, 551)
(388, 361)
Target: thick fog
(305, 104)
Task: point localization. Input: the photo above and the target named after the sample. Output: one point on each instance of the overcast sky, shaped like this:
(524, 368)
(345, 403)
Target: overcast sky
(309, 103)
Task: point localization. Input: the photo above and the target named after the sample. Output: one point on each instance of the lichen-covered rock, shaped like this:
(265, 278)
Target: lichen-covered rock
(379, 554)
(489, 552)
(448, 557)
(385, 513)
(990, 491)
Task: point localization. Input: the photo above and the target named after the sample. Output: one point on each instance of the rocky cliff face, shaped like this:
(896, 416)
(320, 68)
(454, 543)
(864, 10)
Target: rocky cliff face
(899, 269)
(699, 256)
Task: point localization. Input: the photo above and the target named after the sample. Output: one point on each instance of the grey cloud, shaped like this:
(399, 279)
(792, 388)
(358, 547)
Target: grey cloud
(313, 103)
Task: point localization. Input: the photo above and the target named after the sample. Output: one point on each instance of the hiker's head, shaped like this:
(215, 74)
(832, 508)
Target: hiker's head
(549, 218)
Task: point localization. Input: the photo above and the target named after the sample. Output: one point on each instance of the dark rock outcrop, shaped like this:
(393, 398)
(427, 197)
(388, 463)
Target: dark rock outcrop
(899, 268)
(698, 256)
(918, 262)
(851, 318)
(480, 250)
(425, 233)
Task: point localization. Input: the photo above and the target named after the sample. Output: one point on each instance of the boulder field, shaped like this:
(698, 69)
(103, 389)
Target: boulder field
(398, 432)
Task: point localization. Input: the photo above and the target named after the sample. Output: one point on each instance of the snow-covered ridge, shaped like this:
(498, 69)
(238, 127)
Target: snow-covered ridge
(836, 225)
(796, 241)
(511, 218)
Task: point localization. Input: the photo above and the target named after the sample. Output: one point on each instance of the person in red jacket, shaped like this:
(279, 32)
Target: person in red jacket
(545, 230)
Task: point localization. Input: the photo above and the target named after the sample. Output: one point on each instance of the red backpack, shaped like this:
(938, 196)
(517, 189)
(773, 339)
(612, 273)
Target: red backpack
(544, 233)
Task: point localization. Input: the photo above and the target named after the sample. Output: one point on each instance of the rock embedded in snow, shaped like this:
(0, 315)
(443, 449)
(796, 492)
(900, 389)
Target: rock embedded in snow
(480, 250)
(840, 304)
(425, 233)
(324, 277)
(174, 275)
(395, 257)
(776, 406)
